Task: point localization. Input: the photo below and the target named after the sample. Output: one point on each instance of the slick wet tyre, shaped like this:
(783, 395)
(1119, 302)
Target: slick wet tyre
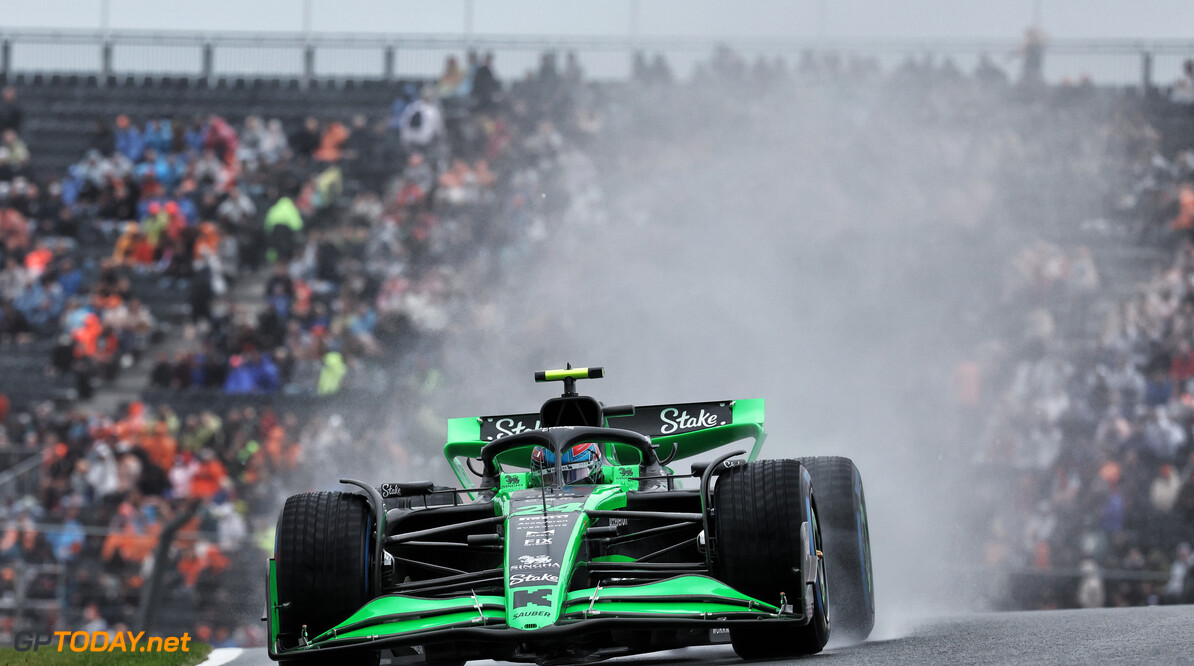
(760, 508)
(842, 506)
(323, 552)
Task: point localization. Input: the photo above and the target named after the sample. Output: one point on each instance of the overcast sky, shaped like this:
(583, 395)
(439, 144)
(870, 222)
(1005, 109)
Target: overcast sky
(897, 19)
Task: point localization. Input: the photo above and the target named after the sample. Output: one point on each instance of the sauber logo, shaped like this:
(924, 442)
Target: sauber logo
(533, 560)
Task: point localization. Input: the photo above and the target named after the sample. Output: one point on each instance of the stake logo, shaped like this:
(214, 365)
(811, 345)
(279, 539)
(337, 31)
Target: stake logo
(675, 421)
(519, 579)
(496, 427)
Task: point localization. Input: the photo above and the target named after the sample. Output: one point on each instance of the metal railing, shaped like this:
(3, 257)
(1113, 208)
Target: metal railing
(21, 473)
(388, 57)
(25, 601)
(31, 605)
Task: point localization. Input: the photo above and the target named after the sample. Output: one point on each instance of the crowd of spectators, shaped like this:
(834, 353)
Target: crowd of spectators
(82, 550)
(53, 288)
(1098, 433)
(361, 264)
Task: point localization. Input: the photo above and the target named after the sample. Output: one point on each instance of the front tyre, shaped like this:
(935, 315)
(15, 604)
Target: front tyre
(847, 545)
(760, 509)
(324, 570)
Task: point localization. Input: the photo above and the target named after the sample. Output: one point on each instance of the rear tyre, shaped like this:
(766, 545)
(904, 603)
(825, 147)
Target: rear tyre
(847, 545)
(760, 507)
(323, 561)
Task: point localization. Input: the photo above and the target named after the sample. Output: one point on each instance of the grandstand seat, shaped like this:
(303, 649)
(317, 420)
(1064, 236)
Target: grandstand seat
(39, 79)
(61, 112)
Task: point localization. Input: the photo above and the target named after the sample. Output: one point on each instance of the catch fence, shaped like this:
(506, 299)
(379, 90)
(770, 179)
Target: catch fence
(1118, 62)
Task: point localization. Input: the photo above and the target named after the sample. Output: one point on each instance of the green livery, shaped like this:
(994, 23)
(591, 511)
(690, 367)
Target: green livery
(522, 564)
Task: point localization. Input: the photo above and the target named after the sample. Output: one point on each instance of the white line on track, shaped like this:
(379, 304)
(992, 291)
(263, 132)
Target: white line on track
(221, 656)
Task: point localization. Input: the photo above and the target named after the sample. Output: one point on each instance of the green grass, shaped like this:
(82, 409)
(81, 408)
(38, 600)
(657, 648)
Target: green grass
(50, 656)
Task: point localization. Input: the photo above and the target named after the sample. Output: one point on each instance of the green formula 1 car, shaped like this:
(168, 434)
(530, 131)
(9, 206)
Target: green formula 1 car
(579, 542)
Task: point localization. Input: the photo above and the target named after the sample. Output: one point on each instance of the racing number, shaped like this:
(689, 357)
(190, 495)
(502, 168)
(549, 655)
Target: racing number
(523, 598)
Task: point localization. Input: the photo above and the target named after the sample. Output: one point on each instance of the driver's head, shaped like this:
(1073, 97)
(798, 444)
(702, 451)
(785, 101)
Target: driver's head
(580, 463)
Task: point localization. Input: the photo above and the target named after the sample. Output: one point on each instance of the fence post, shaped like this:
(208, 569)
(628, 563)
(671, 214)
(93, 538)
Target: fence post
(388, 63)
(6, 58)
(208, 60)
(308, 65)
(106, 60)
(152, 590)
(1146, 72)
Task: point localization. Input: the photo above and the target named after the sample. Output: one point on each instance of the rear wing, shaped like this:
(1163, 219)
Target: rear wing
(685, 429)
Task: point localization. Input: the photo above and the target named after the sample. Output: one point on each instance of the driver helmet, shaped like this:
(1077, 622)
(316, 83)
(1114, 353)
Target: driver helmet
(581, 463)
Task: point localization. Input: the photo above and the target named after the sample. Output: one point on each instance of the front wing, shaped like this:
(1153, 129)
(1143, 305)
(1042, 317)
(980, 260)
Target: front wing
(695, 603)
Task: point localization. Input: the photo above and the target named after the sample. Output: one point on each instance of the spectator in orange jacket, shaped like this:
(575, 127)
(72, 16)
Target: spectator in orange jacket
(123, 251)
(208, 240)
(129, 544)
(86, 337)
(160, 446)
(210, 478)
(329, 144)
(202, 556)
(37, 261)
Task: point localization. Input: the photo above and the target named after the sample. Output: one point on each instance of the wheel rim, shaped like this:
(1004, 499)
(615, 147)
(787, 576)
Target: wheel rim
(822, 580)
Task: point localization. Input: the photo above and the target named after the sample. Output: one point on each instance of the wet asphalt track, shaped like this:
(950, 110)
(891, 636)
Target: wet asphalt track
(1161, 635)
